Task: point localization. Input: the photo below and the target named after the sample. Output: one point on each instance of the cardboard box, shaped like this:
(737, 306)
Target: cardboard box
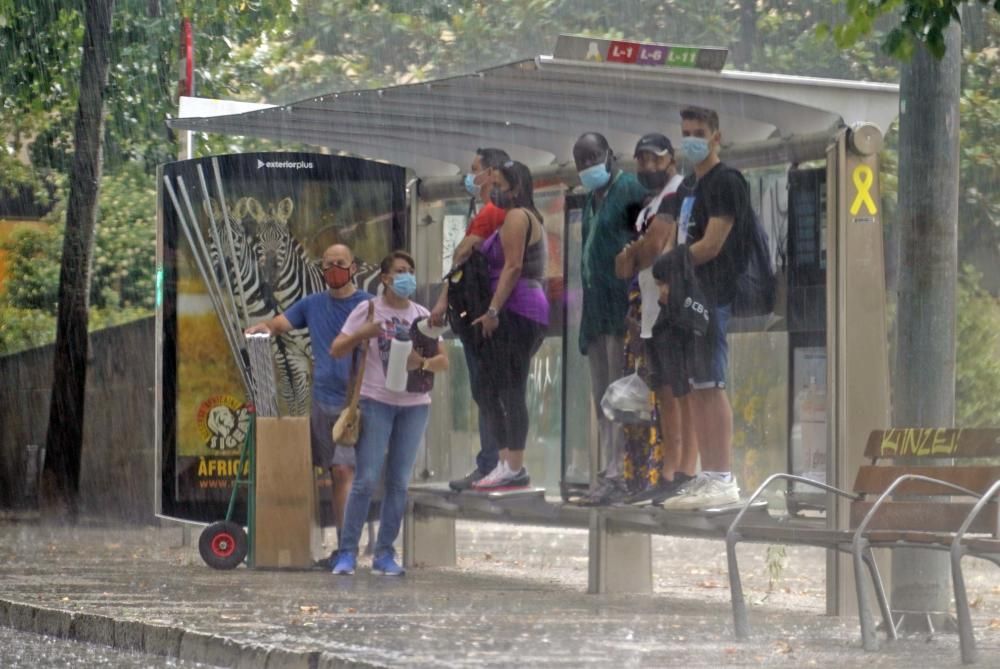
(285, 494)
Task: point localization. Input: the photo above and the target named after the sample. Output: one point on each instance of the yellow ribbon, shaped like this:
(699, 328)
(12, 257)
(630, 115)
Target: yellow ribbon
(863, 179)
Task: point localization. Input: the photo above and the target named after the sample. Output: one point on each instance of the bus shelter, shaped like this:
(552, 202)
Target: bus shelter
(807, 383)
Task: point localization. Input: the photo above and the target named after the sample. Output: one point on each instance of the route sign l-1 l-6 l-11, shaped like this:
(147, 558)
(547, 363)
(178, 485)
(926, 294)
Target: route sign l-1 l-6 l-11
(576, 47)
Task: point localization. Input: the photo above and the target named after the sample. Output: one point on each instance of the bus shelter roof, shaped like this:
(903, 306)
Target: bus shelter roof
(536, 108)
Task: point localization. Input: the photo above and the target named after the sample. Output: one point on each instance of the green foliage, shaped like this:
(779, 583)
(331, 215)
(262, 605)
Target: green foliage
(123, 275)
(979, 205)
(22, 329)
(977, 382)
(919, 22)
(777, 561)
(33, 281)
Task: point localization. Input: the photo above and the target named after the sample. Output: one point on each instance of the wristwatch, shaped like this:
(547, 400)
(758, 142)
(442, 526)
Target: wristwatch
(423, 364)
(494, 313)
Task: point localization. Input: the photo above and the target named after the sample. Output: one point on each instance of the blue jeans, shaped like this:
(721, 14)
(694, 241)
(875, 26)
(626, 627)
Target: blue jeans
(489, 452)
(385, 429)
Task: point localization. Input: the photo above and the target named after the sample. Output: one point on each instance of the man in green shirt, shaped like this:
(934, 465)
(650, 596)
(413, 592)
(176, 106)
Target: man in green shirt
(614, 198)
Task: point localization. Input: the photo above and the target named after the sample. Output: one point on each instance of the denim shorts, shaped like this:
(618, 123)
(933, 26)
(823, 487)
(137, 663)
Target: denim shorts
(709, 354)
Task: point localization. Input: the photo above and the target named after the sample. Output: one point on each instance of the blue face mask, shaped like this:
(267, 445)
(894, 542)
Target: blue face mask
(404, 285)
(470, 184)
(595, 177)
(695, 149)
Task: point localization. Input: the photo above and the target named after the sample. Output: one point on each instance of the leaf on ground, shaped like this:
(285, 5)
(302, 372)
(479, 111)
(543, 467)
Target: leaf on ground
(995, 624)
(308, 609)
(709, 584)
(782, 647)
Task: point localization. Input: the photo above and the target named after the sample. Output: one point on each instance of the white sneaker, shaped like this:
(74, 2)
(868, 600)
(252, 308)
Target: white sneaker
(503, 476)
(705, 493)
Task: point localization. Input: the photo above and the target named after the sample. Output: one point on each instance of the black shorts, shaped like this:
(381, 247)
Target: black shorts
(665, 361)
(686, 361)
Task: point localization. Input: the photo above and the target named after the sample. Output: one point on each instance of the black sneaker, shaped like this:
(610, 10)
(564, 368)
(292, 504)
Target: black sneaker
(464, 483)
(661, 491)
(671, 489)
(607, 491)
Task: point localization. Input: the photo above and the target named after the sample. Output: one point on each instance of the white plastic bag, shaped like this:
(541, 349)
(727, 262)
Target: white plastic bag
(628, 400)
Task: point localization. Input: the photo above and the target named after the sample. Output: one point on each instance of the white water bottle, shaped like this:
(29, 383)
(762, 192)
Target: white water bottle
(399, 352)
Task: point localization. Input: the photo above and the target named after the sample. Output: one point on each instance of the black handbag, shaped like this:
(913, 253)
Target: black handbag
(469, 296)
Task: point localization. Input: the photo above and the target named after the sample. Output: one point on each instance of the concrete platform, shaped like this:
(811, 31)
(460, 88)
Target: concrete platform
(515, 598)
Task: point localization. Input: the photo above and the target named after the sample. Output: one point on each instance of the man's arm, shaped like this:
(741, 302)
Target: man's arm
(709, 246)
(465, 248)
(643, 252)
(276, 326)
(461, 254)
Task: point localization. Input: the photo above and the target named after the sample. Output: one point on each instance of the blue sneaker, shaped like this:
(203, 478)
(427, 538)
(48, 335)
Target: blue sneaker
(386, 565)
(346, 562)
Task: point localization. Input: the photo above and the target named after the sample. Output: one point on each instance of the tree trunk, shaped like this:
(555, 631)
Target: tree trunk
(974, 26)
(924, 387)
(64, 439)
(743, 53)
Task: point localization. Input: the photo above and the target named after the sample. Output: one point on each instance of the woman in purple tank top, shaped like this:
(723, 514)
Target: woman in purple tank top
(514, 325)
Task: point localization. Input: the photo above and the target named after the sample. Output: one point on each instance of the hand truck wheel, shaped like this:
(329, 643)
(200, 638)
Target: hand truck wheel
(223, 545)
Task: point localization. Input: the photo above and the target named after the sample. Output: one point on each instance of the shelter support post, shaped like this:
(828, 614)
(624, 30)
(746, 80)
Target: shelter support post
(428, 540)
(619, 562)
(857, 333)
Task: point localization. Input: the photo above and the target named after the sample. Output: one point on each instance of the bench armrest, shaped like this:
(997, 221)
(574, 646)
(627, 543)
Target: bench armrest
(863, 525)
(782, 477)
(976, 510)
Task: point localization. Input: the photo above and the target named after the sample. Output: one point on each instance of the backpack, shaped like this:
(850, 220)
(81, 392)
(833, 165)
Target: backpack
(469, 296)
(756, 286)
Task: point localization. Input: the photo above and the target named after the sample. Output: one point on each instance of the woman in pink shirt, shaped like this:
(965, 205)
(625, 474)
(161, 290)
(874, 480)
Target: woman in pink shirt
(392, 422)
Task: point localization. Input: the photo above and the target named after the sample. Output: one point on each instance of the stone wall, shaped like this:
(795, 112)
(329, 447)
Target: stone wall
(117, 475)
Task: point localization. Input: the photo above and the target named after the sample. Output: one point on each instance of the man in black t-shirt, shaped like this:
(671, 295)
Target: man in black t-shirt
(713, 216)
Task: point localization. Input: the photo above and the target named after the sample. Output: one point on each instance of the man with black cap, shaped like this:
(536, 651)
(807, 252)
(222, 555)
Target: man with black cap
(613, 199)
(657, 171)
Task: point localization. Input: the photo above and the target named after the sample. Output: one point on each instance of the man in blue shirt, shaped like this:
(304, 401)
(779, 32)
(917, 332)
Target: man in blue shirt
(324, 315)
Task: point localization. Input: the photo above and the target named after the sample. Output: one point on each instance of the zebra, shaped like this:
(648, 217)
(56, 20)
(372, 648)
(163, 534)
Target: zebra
(291, 351)
(284, 273)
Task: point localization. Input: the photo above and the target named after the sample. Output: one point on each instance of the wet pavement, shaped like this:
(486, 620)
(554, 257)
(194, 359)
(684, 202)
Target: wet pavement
(516, 598)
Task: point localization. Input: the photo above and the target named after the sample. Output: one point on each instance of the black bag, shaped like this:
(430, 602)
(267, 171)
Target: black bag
(469, 296)
(756, 286)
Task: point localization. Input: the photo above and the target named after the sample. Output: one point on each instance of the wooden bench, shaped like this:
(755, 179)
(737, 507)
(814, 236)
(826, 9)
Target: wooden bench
(619, 549)
(923, 488)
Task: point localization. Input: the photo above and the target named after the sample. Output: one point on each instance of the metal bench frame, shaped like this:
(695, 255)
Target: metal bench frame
(859, 542)
(840, 540)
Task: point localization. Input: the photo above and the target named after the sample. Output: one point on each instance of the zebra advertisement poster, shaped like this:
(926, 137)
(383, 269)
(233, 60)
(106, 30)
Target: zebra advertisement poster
(241, 237)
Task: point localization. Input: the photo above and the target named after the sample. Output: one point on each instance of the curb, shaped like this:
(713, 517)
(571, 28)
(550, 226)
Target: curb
(166, 641)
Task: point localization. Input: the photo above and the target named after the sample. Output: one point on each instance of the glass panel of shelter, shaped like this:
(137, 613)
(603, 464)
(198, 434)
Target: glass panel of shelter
(777, 364)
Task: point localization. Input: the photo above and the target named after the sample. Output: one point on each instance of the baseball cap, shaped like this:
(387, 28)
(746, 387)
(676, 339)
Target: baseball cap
(656, 143)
